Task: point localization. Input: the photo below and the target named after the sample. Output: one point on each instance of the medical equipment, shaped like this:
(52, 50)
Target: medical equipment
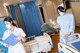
(3, 49)
(45, 28)
(69, 47)
(39, 44)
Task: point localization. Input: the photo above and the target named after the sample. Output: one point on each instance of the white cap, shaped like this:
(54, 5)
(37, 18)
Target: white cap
(61, 5)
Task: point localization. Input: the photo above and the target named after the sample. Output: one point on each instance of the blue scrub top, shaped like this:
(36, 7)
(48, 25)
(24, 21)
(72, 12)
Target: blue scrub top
(66, 24)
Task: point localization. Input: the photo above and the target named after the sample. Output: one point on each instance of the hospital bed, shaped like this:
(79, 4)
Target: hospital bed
(38, 44)
(71, 46)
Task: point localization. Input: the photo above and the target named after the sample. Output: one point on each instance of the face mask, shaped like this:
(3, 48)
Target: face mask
(61, 13)
(8, 26)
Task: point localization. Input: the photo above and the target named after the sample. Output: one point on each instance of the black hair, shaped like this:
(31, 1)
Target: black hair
(61, 9)
(9, 19)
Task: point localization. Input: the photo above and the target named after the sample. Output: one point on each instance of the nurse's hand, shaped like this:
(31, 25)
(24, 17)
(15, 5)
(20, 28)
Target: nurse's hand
(68, 34)
(23, 39)
(7, 45)
(19, 38)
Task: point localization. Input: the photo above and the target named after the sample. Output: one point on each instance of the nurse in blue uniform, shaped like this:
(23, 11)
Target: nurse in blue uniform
(66, 24)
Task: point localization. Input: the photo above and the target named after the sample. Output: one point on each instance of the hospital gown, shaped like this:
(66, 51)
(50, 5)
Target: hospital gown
(18, 48)
(66, 24)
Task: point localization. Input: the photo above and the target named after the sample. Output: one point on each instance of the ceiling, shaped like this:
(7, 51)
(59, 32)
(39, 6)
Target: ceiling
(4, 3)
(14, 1)
(22, 1)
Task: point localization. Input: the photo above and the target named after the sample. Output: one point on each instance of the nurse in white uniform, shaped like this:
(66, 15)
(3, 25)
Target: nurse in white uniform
(66, 24)
(18, 48)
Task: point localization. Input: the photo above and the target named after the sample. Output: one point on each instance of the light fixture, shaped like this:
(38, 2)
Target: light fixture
(20, 1)
(6, 4)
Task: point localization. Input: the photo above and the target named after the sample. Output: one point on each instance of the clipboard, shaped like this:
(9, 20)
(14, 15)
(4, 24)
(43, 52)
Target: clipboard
(11, 40)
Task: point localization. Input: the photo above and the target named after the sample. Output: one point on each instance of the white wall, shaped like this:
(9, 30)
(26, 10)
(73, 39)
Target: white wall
(2, 10)
(50, 9)
(76, 11)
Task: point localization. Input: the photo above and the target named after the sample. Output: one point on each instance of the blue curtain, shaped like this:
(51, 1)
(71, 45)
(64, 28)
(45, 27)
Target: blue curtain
(12, 12)
(30, 18)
